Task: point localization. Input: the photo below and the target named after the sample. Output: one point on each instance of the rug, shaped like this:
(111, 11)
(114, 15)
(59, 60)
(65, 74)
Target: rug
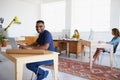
(82, 69)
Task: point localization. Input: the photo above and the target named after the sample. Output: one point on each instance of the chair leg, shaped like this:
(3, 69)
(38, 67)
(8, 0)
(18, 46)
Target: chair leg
(101, 58)
(115, 61)
(76, 55)
(35, 75)
(84, 53)
(69, 55)
(52, 74)
(32, 76)
(66, 52)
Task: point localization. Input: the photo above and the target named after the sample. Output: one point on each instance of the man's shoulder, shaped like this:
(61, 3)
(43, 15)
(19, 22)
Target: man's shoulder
(47, 32)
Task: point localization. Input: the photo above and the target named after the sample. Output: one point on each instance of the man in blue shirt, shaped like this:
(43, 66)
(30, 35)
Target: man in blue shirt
(45, 42)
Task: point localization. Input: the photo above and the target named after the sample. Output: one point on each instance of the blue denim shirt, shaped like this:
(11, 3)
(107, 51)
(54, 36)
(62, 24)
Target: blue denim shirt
(114, 42)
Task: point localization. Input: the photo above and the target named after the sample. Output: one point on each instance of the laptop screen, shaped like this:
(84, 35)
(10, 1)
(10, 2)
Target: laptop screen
(13, 43)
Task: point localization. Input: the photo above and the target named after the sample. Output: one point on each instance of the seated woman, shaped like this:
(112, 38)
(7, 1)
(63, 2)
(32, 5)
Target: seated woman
(76, 34)
(115, 41)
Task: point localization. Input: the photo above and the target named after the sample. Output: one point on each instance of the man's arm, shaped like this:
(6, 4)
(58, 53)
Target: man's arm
(28, 46)
(45, 46)
(35, 46)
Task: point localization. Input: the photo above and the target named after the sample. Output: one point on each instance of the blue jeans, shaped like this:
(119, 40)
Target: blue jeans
(34, 66)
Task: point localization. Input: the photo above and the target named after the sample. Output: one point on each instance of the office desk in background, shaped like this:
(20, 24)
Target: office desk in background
(72, 46)
(21, 59)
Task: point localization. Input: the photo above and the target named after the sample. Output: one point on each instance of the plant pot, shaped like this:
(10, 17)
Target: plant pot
(3, 44)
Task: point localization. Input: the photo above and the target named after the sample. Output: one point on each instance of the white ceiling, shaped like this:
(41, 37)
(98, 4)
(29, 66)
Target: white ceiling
(32, 1)
(39, 1)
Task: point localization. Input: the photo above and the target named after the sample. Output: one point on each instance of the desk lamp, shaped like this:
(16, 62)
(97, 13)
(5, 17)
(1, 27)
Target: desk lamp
(14, 21)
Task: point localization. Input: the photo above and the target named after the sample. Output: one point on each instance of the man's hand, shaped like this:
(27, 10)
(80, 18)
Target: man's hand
(25, 47)
(101, 42)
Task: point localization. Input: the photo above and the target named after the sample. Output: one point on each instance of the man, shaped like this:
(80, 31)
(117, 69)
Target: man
(45, 42)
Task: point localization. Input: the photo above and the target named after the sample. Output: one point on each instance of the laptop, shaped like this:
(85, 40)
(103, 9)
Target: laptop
(13, 43)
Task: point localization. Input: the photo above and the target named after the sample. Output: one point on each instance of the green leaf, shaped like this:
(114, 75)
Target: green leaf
(2, 38)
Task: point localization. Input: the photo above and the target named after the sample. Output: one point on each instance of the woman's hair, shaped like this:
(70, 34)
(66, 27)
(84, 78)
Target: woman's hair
(76, 31)
(116, 32)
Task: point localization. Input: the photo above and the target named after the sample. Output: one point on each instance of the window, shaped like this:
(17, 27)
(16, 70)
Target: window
(53, 13)
(91, 14)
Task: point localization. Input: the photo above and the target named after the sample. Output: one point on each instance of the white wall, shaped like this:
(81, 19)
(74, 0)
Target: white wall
(53, 13)
(27, 13)
(87, 14)
(97, 36)
(68, 15)
(115, 13)
(49, 1)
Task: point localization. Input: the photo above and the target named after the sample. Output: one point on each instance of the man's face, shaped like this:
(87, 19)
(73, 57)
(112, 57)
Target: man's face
(40, 27)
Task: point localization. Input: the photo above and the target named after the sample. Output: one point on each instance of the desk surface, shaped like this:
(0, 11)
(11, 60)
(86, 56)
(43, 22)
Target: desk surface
(67, 40)
(29, 57)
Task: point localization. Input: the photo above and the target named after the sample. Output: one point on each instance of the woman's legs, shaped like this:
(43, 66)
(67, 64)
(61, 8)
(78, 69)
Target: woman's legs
(97, 53)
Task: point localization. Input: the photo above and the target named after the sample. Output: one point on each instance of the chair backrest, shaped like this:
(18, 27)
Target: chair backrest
(118, 49)
(91, 35)
(30, 39)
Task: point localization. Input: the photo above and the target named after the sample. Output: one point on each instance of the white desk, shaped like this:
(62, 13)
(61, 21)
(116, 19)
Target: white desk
(20, 59)
(101, 45)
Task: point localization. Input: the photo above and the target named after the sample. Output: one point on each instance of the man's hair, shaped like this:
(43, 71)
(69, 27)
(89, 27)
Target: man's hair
(40, 21)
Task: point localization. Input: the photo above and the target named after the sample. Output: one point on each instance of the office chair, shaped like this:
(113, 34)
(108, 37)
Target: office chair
(91, 35)
(116, 56)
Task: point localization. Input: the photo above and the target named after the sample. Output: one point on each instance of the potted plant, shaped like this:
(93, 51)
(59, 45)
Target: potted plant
(2, 36)
(2, 41)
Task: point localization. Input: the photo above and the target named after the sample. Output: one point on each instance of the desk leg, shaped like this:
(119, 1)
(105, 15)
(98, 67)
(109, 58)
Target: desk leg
(56, 67)
(18, 70)
(91, 58)
(68, 49)
(111, 58)
(83, 49)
